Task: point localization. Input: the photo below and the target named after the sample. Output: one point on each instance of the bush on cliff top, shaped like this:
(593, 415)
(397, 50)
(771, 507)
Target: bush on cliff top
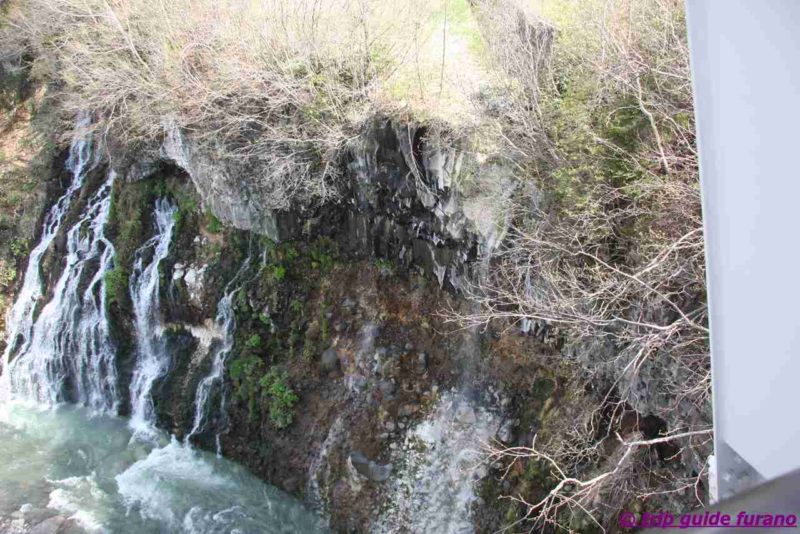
(277, 83)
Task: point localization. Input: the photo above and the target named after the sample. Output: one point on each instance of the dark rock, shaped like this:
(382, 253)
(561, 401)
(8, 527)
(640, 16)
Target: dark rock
(290, 485)
(329, 360)
(421, 363)
(387, 389)
(49, 526)
(408, 409)
(507, 431)
(369, 469)
(465, 415)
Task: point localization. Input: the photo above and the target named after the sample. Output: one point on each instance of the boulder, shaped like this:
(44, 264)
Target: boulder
(465, 415)
(329, 360)
(49, 526)
(421, 363)
(368, 469)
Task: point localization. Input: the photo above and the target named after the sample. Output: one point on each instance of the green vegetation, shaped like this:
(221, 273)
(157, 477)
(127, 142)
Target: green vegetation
(19, 247)
(283, 334)
(280, 396)
(7, 274)
(245, 371)
(116, 281)
(213, 225)
(253, 342)
(130, 209)
(585, 104)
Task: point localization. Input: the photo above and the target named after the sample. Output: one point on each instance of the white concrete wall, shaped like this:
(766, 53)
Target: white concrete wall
(746, 67)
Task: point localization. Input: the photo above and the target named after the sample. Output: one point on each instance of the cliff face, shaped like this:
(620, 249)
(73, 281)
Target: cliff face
(310, 344)
(398, 199)
(339, 303)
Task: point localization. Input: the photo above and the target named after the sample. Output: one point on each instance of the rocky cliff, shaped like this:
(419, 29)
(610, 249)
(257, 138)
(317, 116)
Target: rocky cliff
(314, 344)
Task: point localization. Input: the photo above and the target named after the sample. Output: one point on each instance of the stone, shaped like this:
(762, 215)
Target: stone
(329, 360)
(465, 414)
(387, 389)
(408, 410)
(421, 363)
(48, 526)
(369, 469)
(506, 432)
(33, 515)
(177, 272)
(385, 364)
(389, 425)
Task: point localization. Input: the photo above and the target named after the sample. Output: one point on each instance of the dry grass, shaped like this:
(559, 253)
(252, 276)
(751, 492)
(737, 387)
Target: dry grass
(260, 80)
(587, 101)
(267, 80)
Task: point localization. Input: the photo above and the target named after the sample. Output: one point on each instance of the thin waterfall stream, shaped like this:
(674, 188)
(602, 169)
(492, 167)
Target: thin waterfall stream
(152, 358)
(226, 325)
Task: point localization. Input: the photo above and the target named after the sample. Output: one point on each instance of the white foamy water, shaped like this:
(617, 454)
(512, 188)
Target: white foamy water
(211, 383)
(86, 468)
(19, 321)
(152, 359)
(433, 488)
(68, 355)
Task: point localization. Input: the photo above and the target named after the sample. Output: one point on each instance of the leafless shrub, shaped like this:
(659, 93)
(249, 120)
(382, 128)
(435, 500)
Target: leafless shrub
(273, 80)
(611, 251)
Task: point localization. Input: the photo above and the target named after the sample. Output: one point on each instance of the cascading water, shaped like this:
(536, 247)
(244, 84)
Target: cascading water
(152, 358)
(85, 473)
(20, 320)
(226, 323)
(438, 466)
(70, 356)
(78, 470)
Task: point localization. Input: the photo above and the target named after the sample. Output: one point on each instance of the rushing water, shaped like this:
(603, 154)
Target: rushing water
(69, 356)
(75, 469)
(226, 324)
(20, 320)
(152, 360)
(86, 468)
(439, 465)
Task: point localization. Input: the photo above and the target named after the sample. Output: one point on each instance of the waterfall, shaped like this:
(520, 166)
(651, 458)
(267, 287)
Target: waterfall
(20, 319)
(226, 324)
(438, 466)
(152, 359)
(69, 355)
